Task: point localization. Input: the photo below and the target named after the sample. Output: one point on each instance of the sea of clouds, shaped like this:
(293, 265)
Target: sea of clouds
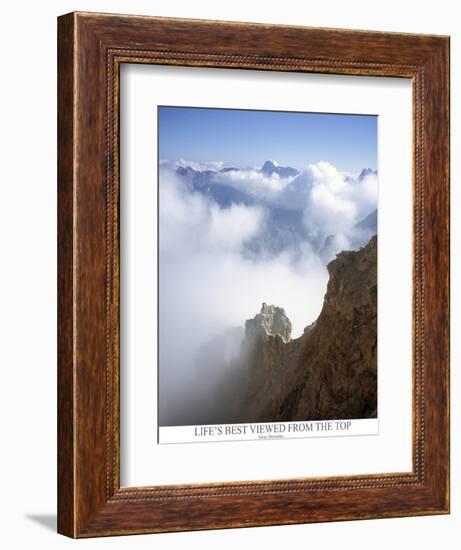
(208, 284)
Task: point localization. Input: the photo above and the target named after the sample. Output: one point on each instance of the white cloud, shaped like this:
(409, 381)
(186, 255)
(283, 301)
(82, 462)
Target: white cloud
(254, 182)
(231, 227)
(190, 218)
(333, 203)
(329, 207)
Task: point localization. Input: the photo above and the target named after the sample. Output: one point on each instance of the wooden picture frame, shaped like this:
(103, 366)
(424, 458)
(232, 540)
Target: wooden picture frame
(91, 49)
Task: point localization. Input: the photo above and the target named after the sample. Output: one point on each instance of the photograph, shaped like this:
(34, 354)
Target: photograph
(267, 266)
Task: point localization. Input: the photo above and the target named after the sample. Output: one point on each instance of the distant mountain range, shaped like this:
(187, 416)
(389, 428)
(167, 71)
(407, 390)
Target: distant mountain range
(205, 183)
(284, 225)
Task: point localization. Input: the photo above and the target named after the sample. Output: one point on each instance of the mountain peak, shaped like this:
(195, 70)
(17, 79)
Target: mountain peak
(271, 321)
(367, 172)
(271, 167)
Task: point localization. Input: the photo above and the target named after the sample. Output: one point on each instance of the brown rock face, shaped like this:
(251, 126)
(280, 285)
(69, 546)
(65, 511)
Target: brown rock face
(330, 372)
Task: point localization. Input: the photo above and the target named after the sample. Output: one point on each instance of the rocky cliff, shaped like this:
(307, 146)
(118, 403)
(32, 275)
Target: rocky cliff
(330, 371)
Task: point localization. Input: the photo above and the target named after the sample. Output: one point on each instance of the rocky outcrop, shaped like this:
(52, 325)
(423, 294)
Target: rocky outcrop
(271, 321)
(330, 371)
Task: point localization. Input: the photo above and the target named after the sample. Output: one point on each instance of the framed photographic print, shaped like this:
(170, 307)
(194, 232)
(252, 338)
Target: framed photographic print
(253, 275)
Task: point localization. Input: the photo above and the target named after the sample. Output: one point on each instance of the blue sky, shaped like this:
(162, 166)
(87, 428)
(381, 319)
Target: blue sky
(248, 138)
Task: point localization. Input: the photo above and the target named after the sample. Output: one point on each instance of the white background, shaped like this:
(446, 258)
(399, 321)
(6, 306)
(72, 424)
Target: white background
(143, 462)
(28, 273)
